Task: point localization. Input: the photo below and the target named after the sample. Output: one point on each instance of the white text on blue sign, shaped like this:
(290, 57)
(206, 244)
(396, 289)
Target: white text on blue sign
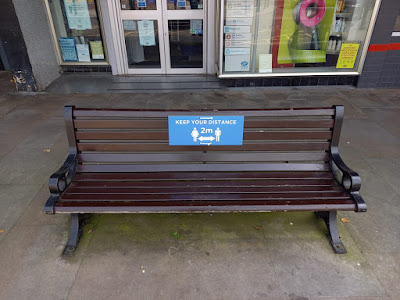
(205, 130)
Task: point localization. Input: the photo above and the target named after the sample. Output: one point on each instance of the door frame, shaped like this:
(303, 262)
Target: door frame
(114, 33)
(194, 14)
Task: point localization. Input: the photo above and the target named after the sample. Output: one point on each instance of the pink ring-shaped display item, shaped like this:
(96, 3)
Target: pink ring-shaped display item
(313, 21)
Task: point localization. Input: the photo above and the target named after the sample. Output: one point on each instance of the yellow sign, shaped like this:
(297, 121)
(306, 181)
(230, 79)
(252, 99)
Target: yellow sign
(347, 56)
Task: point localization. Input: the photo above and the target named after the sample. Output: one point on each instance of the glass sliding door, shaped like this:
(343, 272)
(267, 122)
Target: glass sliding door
(143, 36)
(186, 43)
(164, 36)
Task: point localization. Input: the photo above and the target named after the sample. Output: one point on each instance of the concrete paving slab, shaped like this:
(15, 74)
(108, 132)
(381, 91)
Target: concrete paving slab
(367, 98)
(233, 269)
(9, 102)
(9, 140)
(389, 169)
(302, 271)
(358, 133)
(34, 215)
(387, 269)
(27, 166)
(176, 101)
(14, 200)
(44, 136)
(31, 266)
(388, 118)
(374, 231)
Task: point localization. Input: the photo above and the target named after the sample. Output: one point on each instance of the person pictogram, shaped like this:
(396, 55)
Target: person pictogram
(195, 134)
(217, 134)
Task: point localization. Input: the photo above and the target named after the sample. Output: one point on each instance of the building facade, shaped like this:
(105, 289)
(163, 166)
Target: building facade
(244, 43)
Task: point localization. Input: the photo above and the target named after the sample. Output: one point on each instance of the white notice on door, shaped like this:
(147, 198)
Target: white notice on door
(265, 63)
(237, 63)
(83, 52)
(146, 33)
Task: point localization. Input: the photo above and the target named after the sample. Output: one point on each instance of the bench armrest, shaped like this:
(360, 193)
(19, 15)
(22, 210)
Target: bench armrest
(351, 181)
(60, 180)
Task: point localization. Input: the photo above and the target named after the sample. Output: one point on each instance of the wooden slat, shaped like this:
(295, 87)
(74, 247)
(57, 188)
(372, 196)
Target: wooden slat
(289, 123)
(203, 189)
(201, 206)
(203, 167)
(283, 112)
(203, 176)
(121, 135)
(147, 147)
(163, 124)
(163, 135)
(121, 124)
(272, 183)
(206, 197)
(196, 157)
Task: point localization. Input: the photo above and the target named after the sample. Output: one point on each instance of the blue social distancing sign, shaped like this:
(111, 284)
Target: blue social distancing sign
(205, 130)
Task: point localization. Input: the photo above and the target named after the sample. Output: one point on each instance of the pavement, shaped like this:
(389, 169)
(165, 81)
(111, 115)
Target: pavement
(210, 256)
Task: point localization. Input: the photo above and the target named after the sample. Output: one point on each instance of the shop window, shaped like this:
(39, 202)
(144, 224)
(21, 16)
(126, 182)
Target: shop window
(292, 36)
(78, 31)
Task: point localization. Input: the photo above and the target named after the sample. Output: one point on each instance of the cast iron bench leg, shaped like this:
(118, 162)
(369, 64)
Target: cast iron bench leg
(330, 220)
(74, 236)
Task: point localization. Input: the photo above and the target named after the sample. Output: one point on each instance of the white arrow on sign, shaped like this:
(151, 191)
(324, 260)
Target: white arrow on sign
(206, 138)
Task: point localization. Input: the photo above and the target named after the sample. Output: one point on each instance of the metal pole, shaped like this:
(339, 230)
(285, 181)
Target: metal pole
(255, 36)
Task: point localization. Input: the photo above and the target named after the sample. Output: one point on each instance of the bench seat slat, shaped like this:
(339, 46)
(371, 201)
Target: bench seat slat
(204, 196)
(209, 157)
(163, 135)
(284, 112)
(165, 147)
(201, 206)
(224, 176)
(203, 189)
(163, 124)
(207, 183)
(204, 167)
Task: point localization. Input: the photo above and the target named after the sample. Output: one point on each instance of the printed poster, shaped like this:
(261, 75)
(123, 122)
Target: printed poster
(235, 44)
(181, 3)
(146, 33)
(196, 26)
(238, 36)
(129, 25)
(239, 22)
(237, 51)
(97, 49)
(236, 29)
(68, 50)
(141, 3)
(265, 63)
(296, 44)
(234, 63)
(83, 52)
(77, 14)
(347, 56)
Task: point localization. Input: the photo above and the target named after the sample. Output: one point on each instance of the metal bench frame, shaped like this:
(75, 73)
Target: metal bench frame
(350, 181)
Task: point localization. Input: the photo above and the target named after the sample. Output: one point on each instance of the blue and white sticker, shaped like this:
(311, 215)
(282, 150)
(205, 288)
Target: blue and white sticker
(205, 130)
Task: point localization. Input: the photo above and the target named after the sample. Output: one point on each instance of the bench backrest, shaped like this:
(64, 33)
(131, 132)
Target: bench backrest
(122, 140)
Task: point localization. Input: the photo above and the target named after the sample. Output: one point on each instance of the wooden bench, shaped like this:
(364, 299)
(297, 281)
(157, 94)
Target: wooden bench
(120, 161)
